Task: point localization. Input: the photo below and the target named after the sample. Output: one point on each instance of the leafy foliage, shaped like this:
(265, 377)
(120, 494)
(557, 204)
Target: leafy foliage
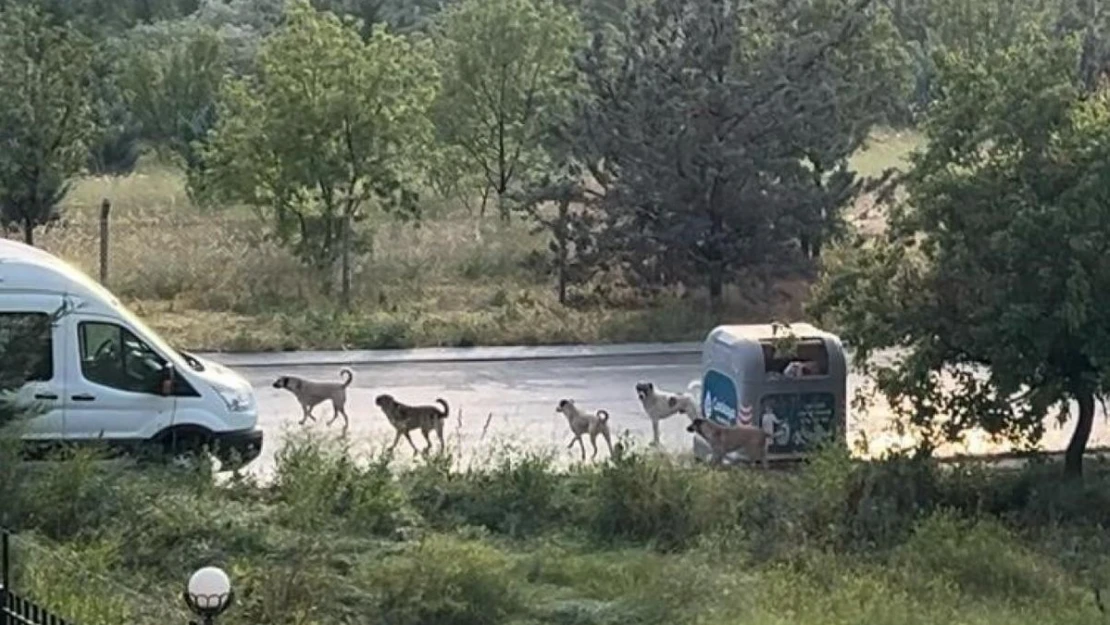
(644, 540)
(330, 125)
(506, 66)
(46, 114)
(721, 134)
(994, 270)
(171, 81)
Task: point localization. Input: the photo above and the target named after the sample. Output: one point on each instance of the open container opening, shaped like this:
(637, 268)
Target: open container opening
(810, 358)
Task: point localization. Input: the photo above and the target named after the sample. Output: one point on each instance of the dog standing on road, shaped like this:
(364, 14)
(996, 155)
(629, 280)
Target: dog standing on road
(581, 422)
(405, 419)
(311, 393)
(726, 439)
(661, 405)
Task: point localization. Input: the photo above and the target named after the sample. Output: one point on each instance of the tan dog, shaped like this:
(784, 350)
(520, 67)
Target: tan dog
(311, 393)
(726, 439)
(660, 404)
(584, 423)
(405, 419)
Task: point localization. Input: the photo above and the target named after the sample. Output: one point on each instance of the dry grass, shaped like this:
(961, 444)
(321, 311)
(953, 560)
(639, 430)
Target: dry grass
(215, 281)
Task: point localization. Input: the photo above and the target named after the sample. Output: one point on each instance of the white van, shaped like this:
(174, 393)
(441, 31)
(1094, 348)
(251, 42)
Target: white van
(105, 377)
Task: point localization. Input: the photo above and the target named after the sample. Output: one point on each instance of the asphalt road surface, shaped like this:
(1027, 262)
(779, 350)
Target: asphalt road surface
(499, 405)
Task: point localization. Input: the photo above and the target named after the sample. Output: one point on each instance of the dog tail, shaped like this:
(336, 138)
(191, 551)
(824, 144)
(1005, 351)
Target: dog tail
(604, 416)
(693, 389)
(347, 376)
(446, 408)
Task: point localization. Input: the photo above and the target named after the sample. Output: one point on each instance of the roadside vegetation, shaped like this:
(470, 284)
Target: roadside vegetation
(645, 539)
(412, 224)
(370, 174)
(216, 282)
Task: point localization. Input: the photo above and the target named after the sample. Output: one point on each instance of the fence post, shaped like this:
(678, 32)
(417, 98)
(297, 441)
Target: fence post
(105, 208)
(5, 575)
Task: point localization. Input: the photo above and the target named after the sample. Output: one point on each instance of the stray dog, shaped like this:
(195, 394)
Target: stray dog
(583, 423)
(659, 405)
(310, 393)
(725, 439)
(800, 368)
(405, 419)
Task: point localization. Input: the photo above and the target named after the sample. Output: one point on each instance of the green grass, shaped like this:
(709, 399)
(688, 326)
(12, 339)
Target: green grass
(216, 281)
(888, 149)
(646, 539)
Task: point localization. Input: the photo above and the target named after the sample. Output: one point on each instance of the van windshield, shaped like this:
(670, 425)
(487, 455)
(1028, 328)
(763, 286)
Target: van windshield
(157, 341)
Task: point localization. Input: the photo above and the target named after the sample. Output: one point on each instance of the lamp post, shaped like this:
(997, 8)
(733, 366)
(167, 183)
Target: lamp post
(208, 593)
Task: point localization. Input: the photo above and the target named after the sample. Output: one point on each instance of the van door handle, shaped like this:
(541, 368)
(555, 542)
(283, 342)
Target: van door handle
(46, 396)
(83, 397)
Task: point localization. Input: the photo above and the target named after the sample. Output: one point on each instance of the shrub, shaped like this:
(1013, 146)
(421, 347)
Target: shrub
(446, 581)
(319, 483)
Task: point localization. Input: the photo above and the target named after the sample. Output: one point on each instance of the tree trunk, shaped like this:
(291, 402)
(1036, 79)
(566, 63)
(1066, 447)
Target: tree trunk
(561, 240)
(1073, 459)
(28, 231)
(716, 285)
(503, 207)
(345, 262)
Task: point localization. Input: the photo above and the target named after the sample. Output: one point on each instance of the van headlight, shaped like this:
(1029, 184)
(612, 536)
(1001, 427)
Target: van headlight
(235, 399)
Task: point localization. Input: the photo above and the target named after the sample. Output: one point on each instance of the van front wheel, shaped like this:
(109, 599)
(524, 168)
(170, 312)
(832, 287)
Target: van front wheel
(186, 448)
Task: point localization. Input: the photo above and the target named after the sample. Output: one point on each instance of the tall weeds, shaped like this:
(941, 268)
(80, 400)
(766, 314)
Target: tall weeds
(339, 538)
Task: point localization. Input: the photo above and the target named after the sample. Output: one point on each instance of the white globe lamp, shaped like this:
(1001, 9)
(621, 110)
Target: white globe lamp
(208, 593)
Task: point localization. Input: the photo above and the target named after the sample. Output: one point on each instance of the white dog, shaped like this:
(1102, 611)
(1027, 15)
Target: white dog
(661, 405)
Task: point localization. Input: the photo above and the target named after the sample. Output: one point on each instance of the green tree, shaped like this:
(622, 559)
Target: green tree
(171, 82)
(47, 119)
(331, 126)
(929, 28)
(505, 64)
(721, 132)
(994, 269)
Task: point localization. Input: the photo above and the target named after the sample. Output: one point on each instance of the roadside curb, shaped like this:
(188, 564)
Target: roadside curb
(446, 354)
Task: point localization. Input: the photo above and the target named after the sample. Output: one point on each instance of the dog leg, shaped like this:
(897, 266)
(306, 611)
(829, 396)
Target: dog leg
(439, 434)
(307, 414)
(427, 440)
(578, 438)
(608, 443)
(336, 410)
(415, 451)
(655, 432)
(593, 443)
(396, 439)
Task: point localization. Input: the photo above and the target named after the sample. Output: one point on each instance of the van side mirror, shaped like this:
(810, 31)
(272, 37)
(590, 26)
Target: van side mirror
(165, 386)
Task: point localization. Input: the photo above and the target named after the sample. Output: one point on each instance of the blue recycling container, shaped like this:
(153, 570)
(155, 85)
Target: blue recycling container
(801, 396)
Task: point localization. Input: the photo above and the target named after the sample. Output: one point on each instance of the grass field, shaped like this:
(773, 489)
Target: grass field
(644, 540)
(214, 281)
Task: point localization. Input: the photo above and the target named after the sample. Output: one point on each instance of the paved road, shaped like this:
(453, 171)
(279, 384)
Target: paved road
(518, 398)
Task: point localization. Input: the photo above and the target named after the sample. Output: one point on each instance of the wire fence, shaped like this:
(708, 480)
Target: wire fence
(234, 261)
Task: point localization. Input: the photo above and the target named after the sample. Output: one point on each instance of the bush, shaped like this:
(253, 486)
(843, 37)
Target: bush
(319, 483)
(446, 581)
(644, 539)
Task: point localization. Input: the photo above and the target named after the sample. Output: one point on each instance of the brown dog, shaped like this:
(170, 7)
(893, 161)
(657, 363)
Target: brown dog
(725, 439)
(582, 422)
(405, 419)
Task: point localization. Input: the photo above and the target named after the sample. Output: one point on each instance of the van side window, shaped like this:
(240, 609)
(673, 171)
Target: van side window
(113, 356)
(27, 343)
